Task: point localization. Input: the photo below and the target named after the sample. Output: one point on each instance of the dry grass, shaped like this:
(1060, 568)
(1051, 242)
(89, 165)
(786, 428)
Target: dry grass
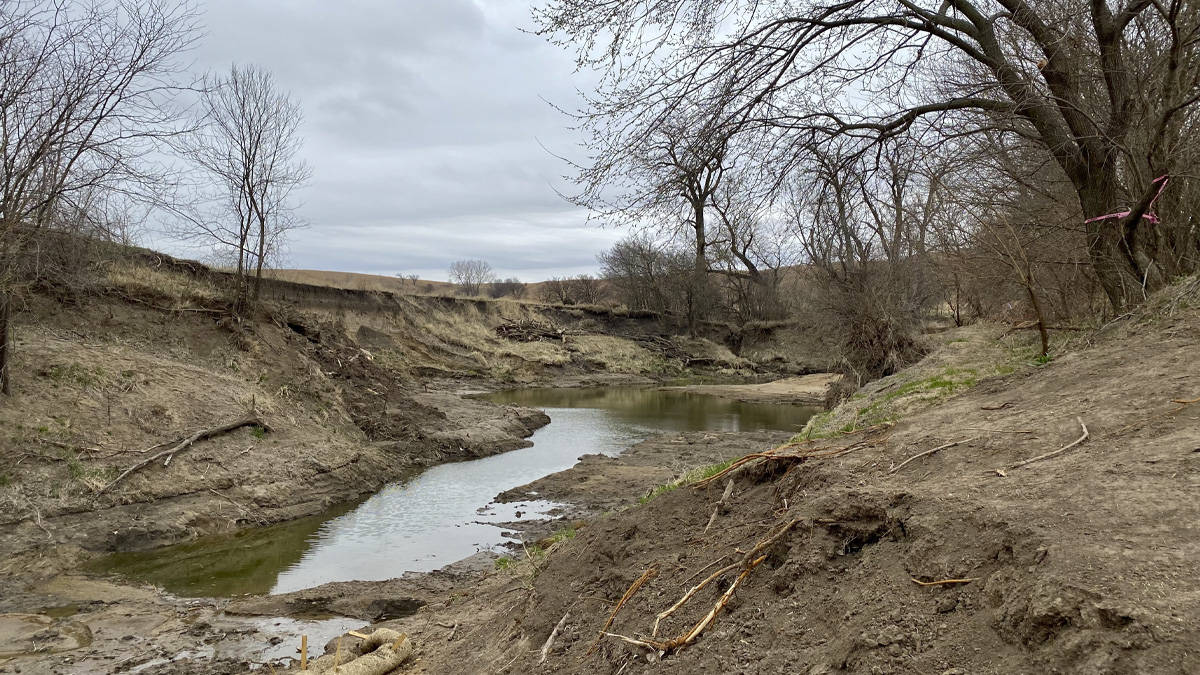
(618, 355)
(957, 361)
(183, 288)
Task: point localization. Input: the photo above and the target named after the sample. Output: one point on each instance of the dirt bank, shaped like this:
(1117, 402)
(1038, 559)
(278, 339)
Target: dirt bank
(963, 560)
(803, 390)
(350, 390)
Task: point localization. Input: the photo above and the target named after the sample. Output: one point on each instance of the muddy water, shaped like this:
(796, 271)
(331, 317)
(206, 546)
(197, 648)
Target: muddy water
(445, 513)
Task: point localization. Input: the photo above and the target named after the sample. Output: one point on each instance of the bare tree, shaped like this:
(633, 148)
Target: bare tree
(512, 287)
(471, 276)
(1108, 93)
(586, 289)
(558, 290)
(84, 100)
(248, 147)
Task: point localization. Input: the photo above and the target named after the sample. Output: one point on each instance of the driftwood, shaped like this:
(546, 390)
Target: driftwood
(1059, 451)
(382, 652)
(930, 452)
(249, 420)
(553, 634)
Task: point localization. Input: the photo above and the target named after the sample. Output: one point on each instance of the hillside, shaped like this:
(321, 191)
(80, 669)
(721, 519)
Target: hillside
(349, 389)
(964, 560)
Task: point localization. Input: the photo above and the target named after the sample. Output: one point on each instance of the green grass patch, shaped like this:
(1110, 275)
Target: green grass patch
(690, 477)
(563, 535)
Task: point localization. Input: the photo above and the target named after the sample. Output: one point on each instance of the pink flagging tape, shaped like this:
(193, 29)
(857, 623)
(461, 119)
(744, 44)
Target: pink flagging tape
(1149, 214)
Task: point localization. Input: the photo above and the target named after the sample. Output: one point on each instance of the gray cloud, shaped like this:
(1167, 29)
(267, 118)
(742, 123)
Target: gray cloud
(423, 123)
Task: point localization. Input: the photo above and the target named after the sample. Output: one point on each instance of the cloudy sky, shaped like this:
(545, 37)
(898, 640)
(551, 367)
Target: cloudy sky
(422, 125)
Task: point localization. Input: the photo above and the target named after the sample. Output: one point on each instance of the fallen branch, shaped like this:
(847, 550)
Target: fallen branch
(649, 574)
(1059, 451)
(943, 582)
(550, 640)
(249, 420)
(930, 452)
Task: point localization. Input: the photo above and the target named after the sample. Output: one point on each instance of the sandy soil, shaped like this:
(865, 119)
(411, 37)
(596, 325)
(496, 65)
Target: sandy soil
(802, 390)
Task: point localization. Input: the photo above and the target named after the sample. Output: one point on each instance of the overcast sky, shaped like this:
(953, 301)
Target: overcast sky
(422, 125)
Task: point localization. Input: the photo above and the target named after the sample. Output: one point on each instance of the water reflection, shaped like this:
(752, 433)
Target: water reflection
(443, 514)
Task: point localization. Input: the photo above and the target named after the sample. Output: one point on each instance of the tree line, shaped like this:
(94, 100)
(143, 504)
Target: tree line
(979, 157)
(104, 126)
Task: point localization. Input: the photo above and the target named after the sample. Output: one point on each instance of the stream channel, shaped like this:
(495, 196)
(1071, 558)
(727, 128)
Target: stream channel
(442, 514)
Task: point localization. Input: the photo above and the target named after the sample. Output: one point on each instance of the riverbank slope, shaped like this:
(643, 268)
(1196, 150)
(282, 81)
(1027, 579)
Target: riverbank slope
(1042, 520)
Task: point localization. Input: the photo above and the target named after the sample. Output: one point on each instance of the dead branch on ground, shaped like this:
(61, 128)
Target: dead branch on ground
(1059, 451)
(930, 452)
(720, 505)
(550, 640)
(249, 420)
(649, 574)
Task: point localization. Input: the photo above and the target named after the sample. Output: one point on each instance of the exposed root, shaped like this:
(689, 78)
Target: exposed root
(944, 582)
(824, 452)
(749, 561)
(720, 505)
(553, 634)
(649, 574)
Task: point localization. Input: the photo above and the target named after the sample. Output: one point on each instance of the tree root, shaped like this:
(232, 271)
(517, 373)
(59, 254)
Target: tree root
(649, 574)
(778, 454)
(748, 562)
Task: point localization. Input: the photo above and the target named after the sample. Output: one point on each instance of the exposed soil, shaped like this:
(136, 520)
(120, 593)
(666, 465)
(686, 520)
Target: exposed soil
(354, 389)
(1080, 563)
(1083, 562)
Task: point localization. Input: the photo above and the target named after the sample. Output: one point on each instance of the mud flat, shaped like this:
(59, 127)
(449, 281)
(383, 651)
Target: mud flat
(802, 390)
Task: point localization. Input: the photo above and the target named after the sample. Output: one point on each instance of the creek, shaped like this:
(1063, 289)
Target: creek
(445, 513)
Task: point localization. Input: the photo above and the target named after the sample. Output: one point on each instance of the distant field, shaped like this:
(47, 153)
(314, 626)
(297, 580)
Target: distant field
(376, 282)
(361, 282)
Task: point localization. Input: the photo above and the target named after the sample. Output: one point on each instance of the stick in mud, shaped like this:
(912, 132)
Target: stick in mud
(249, 420)
(720, 504)
(1059, 451)
(550, 640)
(930, 452)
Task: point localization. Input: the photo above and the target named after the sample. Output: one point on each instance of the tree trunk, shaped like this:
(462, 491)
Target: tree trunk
(699, 270)
(6, 339)
(1113, 248)
(1037, 311)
